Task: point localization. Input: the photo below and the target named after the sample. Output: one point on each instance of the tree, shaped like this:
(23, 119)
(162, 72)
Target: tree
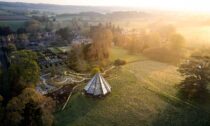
(1, 73)
(30, 109)
(164, 31)
(73, 57)
(49, 26)
(23, 54)
(136, 43)
(2, 112)
(22, 37)
(65, 33)
(5, 31)
(11, 48)
(23, 71)
(196, 72)
(41, 18)
(33, 26)
(102, 40)
(21, 31)
(76, 59)
(177, 41)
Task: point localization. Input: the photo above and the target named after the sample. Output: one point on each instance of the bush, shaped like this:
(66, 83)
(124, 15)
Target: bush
(95, 70)
(119, 62)
(11, 48)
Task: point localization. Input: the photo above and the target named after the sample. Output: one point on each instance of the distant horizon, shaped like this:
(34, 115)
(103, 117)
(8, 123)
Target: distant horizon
(178, 5)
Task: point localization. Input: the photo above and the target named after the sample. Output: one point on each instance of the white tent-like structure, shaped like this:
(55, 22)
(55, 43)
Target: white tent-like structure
(97, 86)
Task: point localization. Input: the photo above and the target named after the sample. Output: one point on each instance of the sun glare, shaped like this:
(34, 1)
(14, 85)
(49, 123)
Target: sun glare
(104, 62)
(192, 5)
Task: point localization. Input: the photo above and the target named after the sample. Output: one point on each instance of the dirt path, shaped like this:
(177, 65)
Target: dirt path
(70, 94)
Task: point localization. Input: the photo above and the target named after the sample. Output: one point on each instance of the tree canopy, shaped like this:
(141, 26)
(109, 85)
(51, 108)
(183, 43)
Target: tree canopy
(33, 26)
(30, 109)
(102, 38)
(196, 71)
(5, 31)
(24, 70)
(65, 33)
(11, 48)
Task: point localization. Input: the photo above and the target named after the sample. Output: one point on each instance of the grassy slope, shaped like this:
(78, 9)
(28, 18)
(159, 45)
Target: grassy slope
(119, 53)
(142, 94)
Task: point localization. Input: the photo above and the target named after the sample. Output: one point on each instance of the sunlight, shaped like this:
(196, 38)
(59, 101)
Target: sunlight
(104, 62)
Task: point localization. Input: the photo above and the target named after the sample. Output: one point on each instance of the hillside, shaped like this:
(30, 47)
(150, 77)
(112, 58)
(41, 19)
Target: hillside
(58, 8)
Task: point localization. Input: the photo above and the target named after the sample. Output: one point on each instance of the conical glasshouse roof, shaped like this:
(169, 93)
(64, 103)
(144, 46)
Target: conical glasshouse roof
(97, 86)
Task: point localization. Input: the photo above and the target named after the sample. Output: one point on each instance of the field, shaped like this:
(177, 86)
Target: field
(143, 94)
(13, 24)
(119, 53)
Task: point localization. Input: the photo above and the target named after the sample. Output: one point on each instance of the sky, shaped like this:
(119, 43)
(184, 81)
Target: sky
(188, 5)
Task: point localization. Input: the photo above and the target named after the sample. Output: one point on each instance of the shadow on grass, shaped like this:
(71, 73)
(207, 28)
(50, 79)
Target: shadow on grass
(180, 113)
(78, 107)
(182, 116)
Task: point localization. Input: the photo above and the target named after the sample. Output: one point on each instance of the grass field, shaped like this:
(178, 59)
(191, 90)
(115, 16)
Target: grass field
(119, 53)
(143, 94)
(13, 24)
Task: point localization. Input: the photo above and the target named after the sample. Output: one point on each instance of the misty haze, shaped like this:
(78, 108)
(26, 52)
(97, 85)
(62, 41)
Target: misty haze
(104, 63)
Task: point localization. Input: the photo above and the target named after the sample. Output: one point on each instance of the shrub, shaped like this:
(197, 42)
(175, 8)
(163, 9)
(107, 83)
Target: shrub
(119, 62)
(95, 70)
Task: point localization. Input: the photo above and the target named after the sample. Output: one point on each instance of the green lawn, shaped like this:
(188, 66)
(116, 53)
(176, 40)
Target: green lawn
(143, 94)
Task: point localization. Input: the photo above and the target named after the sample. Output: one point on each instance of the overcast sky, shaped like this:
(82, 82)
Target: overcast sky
(195, 5)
